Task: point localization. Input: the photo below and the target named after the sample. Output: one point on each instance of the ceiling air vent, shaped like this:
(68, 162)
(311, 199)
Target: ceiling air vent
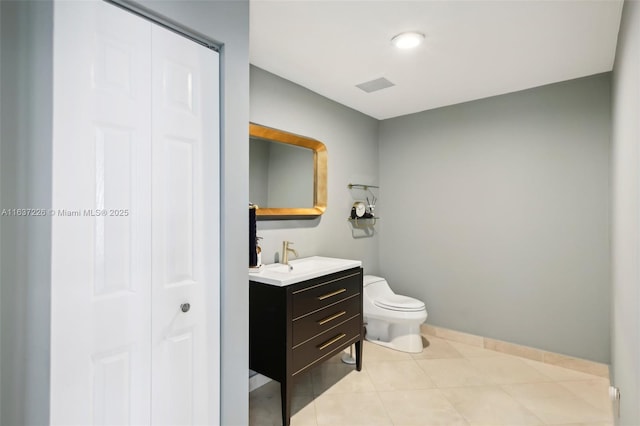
(375, 85)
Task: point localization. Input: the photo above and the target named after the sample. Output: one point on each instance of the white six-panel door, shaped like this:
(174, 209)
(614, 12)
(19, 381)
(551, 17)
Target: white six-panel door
(135, 222)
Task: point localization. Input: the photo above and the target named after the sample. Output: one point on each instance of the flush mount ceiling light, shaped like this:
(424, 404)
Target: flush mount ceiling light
(407, 40)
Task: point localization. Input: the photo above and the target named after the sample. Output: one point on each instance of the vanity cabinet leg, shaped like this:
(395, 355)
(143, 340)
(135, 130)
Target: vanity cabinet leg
(359, 347)
(285, 397)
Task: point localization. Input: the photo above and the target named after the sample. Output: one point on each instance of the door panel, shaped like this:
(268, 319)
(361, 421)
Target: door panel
(100, 346)
(179, 349)
(185, 230)
(113, 234)
(179, 210)
(111, 390)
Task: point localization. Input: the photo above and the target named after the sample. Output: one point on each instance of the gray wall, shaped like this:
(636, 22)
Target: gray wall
(0, 225)
(496, 215)
(25, 180)
(625, 238)
(351, 140)
(25, 152)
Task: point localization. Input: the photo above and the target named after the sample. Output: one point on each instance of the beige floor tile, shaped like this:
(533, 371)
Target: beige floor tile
(558, 373)
(595, 392)
(508, 370)
(340, 378)
(554, 404)
(453, 372)
(435, 348)
(469, 351)
(398, 375)
(351, 410)
(537, 391)
(421, 407)
(375, 352)
(489, 406)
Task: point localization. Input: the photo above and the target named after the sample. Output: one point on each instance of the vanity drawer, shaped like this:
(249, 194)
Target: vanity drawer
(317, 322)
(325, 293)
(321, 346)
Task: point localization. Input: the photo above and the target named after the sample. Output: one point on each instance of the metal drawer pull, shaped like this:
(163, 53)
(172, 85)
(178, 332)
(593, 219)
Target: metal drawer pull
(331, 318)
(333, 293)
(332, 341)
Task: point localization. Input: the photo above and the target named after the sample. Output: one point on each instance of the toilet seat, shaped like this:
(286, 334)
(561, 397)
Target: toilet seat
(396, 302)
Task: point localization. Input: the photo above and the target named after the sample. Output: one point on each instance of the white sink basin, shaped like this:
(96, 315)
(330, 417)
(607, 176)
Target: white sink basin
(301, 270)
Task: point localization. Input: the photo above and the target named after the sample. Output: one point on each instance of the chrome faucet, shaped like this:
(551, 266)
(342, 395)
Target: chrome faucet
(285, 252)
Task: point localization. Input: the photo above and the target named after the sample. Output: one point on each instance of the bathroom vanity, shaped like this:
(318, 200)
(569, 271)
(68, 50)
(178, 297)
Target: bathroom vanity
(303, 317)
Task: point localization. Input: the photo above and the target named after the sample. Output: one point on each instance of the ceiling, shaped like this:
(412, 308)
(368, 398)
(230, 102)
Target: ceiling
(473, 49)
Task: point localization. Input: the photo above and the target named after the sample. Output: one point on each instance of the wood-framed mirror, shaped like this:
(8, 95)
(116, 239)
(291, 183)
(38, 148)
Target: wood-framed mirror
(287, 174)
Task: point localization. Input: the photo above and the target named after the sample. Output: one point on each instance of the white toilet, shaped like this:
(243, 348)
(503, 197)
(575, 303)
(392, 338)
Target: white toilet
(392, 320)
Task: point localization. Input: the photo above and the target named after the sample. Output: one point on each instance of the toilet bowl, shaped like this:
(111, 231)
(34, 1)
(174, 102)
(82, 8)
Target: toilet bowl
(392, 320)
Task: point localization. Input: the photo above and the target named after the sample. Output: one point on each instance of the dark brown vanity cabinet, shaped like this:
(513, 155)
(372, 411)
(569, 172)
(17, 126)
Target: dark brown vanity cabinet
(297, 327)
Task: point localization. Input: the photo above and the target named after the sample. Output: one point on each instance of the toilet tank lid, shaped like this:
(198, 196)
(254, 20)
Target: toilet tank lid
(370, 279)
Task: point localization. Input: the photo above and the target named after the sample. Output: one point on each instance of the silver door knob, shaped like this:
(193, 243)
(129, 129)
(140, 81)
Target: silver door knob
(185, 307)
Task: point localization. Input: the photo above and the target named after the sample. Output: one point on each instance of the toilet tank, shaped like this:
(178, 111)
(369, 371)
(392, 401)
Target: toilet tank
(375, 287)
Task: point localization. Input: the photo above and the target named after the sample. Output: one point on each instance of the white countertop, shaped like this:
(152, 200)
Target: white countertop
(302, 269)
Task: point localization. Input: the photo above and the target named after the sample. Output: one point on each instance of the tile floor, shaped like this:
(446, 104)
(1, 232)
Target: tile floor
(448, 384)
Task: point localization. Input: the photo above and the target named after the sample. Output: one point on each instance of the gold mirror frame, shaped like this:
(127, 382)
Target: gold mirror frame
(319, 173)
